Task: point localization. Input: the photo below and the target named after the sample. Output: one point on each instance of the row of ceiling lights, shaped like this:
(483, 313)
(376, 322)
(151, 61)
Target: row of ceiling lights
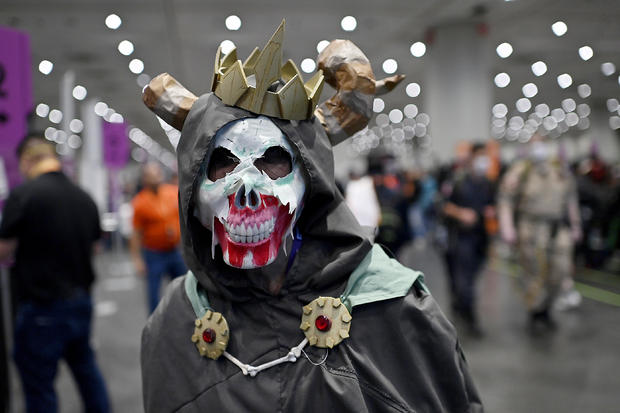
(147, 146)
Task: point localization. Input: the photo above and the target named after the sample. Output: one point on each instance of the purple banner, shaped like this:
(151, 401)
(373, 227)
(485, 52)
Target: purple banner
(15, 96)
(115, 145)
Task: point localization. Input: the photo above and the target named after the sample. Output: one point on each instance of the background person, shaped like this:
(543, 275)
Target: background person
(471, 200)
(51, 225)
(539, 212)
(156, 234)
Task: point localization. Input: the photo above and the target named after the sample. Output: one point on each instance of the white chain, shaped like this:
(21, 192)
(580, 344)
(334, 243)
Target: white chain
(291, 357)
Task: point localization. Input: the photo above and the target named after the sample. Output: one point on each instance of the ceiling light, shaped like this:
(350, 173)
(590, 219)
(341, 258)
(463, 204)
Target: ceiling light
(321, 45)
(572, 119)
(550, 123)
(529, 90)
(584, 123)
(584, 90)
(55, 116)
(382, 120)
(143, 79)
(559, 28)
(558, 114)
(396, 116)
(100, 108)
(412, 90)
(74, 142)
(60, 136)
(411, 110)
(46, 67)
(539, 68)
(608, 68)
(42, 110)
(542, 110)
(116, 118)
(569, 105)
(113, 21)
(136, 66)
(348, 23)
(612, 105)
(79, 92)
(76, 126)
(418, 49)
(516, 123)
(504, 50)
(564, 80)
(502, 79)
(378, 105)
(233, 22)
(523, 105)
(308, 65)
(390, 66)
(586, 52)
(125, 47)
(424, 119)
(500, 110)
(50, 133)
(583, 110)
(227, 46)
(108, 114)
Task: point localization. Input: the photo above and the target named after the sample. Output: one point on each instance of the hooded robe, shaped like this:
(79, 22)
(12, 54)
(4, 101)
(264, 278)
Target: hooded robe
(402, 354)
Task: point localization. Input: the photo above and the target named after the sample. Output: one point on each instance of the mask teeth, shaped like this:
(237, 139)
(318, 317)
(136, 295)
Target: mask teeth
(251, 233)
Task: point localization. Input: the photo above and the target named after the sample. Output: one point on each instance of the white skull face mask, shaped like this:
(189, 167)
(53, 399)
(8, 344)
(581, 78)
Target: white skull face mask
(251, 195)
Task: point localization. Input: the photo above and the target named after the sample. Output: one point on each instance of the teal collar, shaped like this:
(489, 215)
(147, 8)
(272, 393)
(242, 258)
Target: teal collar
(377, 278)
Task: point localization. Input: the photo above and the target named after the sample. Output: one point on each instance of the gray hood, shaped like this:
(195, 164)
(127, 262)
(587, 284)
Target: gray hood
(333, 242)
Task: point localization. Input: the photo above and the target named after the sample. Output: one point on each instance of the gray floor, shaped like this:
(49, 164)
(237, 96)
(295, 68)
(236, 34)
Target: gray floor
(576, 369)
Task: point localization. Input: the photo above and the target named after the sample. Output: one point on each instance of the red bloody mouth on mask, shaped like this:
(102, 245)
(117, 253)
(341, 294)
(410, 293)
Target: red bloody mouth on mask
(253, 233)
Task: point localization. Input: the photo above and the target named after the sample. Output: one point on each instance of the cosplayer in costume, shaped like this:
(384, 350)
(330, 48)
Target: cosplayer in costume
(288, 305)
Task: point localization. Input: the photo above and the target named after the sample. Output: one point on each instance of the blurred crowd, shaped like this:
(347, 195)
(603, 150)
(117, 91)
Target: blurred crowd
(546, 214)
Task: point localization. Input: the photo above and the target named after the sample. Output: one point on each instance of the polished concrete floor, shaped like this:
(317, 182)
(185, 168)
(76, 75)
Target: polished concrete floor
(575, 369)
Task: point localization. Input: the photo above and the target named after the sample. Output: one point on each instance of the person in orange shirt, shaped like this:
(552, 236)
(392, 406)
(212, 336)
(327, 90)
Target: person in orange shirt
(156, 232)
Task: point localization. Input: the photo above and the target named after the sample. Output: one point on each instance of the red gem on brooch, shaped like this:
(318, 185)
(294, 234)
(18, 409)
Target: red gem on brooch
(208, 335)
(323, 323)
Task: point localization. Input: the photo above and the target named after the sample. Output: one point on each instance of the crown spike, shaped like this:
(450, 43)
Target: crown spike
(251, 85)
(314, 87)
(233, 84)
(250, 62)
(293, 99)
(229, 60)
(267, 68)
(216, 69)
(289, 70)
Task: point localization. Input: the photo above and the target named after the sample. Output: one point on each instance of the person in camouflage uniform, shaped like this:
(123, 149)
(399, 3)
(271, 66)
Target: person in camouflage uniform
(539, 213)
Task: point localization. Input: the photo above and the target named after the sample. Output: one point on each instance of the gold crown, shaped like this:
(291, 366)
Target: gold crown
(262, 85)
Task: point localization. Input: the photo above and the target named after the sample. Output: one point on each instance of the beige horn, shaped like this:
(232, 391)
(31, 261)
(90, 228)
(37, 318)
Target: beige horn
(348, 70)
(168, 99)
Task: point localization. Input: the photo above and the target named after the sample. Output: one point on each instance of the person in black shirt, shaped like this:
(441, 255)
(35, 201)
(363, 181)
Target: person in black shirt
(471, 200)
(50, 226)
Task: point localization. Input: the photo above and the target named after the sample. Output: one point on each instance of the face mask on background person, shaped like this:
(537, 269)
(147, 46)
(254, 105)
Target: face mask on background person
(540, 151)
(480, 165)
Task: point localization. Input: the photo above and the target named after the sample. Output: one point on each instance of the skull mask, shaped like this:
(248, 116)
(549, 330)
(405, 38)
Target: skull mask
(251, 195)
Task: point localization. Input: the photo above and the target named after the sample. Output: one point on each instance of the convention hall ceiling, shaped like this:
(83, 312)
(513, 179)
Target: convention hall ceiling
(181, 37)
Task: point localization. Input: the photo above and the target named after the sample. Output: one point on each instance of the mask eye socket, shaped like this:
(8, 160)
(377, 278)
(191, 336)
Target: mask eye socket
(222, 162)
(276, 162)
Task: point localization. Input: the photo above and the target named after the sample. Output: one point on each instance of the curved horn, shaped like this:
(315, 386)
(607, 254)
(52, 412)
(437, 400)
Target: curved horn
(168, 99)
(348, 70)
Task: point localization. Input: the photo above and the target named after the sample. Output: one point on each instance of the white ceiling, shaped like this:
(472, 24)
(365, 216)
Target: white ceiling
(181, 37)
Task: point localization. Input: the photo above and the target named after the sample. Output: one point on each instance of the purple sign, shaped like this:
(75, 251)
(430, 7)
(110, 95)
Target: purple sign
(115, 145)
(15, 96)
